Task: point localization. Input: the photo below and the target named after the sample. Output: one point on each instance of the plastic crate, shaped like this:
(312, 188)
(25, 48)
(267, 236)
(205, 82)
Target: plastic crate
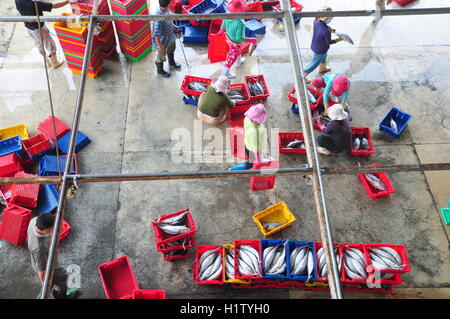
(163, 238)
(318, 95)
(445, 213)
(11, 145)
(260, 78)
(196, 23)
(298, 8)
(278, 213)
(190, 101)
(81, 142)
(65, 229)
(268, 5)
(195, 34)
(284, 138)
(187, 79)
(401, 119)
(207, 6)
(400, 249)
(36, 146)
(403, 2)
(236, 115)
(5, 194)
(46, 127)
(254, 28)
(254, 7)
(48, 199)
(175, 257)
(48, 166)
(149, 294)
(260, 183)
(24, 194)
(256, 244)
(14, 224)
(267, 243)
(231, 281)
(9, 165)
(375, 278)
(16, 130)
(317, 246)
(357, 131)
(291, 246)
(236, 140)
(371, 191)
(200, 250)
(118, 279)
(344, 277)
(164, 248)
(217, 48)
(241, 87)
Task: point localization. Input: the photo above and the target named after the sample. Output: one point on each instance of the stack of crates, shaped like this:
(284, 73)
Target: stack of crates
(175, 246)
(135, 37)
(37, 146)
(73, 42)
(14, 224)
(46, 128)
(24, 195)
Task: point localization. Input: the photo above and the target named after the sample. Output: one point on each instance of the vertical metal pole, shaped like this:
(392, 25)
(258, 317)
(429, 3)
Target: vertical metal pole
(313, 160)
(53, 253)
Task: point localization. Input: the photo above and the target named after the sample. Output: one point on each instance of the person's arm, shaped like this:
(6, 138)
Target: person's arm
(41, 275)
(158, 40)
(326, 93)
(59, 4)
(157, 34)
(229, 102)
(329, 128)
(344, 98)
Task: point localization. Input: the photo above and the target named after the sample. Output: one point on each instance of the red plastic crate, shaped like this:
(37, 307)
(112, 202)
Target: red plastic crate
(344, 277)
(242, 87)
(268, 5)
(285, 138)
(185, 10)
(236, 115)
(36, 144)
(65, 230)
(188, 79)
(318, 95)
(200, 250)
(256, 244)
(395, 280)
(362, 131)
(5, 193)
(260, 183)
(403, 2)
(217, 47)
(164, 248)
(236, 139)
(24, 195)
(9, 165)
(149, 294)
(14, 224)
(317, 246)
(371, 191)
(245, 47)
(164, 238)
(316, 125)
(400, 249)
(260, 78)
(46, 127)
(254, 7)
(118, 279)
(175, 257)
(214, 28)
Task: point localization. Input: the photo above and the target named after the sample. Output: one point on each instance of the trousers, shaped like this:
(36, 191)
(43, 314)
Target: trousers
(48, 42)
(170, 49)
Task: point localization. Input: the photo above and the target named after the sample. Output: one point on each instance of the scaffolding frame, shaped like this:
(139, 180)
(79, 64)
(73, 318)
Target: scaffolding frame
(312, 168)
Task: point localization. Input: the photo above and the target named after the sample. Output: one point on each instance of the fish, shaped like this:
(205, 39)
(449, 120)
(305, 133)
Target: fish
(375, 182)
(229, 264)
(356, 143)
(173, 230)
(206, 254)
(180, 242)
(210, 266)
(270, 226)
(197, 86)
(248, 260)
(310, 265)
(178, 220)
(179, 252)
(279, 262)
(354, 263)
(295, 144)
(364, 143)
(345, 37)
(385, 258)
(301, 261)
(393, 125)
(322, 267)
(311, 97)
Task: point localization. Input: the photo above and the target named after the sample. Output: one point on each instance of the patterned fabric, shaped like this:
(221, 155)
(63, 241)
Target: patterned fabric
(234, 51)
(49, 43)
(164, 30)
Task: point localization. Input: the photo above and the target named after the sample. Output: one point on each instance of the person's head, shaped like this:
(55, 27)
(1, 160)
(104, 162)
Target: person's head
(45, 223)
(164, 4)
(221, 85)
(257, 114)
(336, 112)
(341, 84)
(327, 20)
(237, 6)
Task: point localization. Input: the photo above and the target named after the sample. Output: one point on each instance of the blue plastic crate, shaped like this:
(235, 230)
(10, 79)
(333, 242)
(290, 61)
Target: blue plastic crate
(401, 118)
(208, 6)
(195, 34)
(291, 245)
(296, 20)
(187, 100)
(48, 166)
(48, 199)
(81, 142)
(254, 28)
(11, 145)
(266, 243)
(294, 108)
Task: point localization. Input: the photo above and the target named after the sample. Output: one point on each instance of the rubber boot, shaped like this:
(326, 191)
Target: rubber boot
(241, 166)
(239, 61)
(226, 72)
(323, 68)
(55, 62)
(172, 61)
(159, 66)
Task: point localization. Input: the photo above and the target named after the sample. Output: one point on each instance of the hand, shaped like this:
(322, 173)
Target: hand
(161, 49)
(339, 39)
(325, 113)
(333, 30)
(388, 2)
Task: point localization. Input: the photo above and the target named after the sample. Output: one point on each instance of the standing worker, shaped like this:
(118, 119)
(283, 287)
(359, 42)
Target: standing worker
(164, 39)
(336, 87)
(28, 8)
(380, 5)
(39, 234)
(320, 44)
(235, 35)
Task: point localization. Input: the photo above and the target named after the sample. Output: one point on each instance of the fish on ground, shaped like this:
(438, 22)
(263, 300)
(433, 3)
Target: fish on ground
(375, 182)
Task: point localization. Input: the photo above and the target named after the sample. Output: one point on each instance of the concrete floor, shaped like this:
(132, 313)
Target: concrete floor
(130, 114)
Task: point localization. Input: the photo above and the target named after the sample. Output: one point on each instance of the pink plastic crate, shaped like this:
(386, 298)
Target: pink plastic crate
(256, 244)
(164, 238)
(285, 138)
(375, 193)
(236, 115)
(400, 249)
(24, 194)
(9, 165)
(260, 183)
(200, 250)
(260, 78)
(149, 294)
(188, 79)
(357, 131)
(242, 87)
(36, 144)
(237, 145)
(118, 279)
(46, 127)
(14, 224)
(344, 277)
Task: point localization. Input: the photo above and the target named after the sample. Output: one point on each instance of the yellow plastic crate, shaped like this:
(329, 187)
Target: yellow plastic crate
(63, 26)
(231, 281)
(278, 213)
(8, 132)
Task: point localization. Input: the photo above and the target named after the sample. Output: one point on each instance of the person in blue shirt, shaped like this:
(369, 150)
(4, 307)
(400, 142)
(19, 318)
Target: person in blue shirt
(335, 88)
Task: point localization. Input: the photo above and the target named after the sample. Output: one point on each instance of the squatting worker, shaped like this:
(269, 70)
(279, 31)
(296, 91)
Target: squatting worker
(320, 44)
(336, 87)
(27, 8)
(164, 40)
(213, 105)
(338, 132)
(380, 5)
(235, 36)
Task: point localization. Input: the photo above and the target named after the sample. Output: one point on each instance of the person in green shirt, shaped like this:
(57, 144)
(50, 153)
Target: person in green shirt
(214, 103)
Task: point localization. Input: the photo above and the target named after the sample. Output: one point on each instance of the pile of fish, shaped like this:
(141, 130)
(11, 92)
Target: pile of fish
(271, 226)
(248, 261)
(311, 98)
(375, 182)
(302, 262)
(191, 97)
(322, 265)
(175, 225)
(274, 259)
(295, 144)
(393, 125)
(354, 263)
(236, 95)
(385, 258)
(256, 88)
(178, 252)
(210, 265)
(229, 263)
(181, 242)
(360, 143)
(198, 86)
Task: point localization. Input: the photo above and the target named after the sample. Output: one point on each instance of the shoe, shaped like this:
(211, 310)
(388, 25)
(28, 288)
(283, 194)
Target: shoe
(55, 62)
(240, 60)
(159, 66)
(226, 72)
(72, 293)
(239, 167)
(323, 151)
(323, 68)
(172, 61)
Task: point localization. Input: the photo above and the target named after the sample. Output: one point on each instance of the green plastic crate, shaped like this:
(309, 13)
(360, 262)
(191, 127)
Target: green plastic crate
(445, 212)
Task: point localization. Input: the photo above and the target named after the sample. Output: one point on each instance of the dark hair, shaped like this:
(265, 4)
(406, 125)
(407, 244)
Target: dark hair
(164, 3)
(45, 221)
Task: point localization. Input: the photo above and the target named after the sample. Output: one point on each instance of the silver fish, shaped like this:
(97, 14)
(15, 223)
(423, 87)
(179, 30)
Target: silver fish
(392, 252)
(356, 143)
(310, 265)
(254, 256)
(197, 86)
(249, 259)
(174, 219)
(210, 271)
(384, 260)
(294, 144)
(300, 262)
(270, 226)
(375, 181)
(355, 264)
(268, 256)
(280, 262)
(206, 254)
(364, 144)
(393, 125)
(173, 230)
(311, 97)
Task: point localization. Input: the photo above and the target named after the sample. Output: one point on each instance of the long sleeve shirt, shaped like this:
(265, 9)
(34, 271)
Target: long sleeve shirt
(321, 39)
(213, 102)
(340, 133)
(329, 78)
(235, 29)
(255, 136)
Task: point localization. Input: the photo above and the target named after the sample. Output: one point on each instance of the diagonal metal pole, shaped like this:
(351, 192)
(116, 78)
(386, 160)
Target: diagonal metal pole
(53, 252)
(311, 152)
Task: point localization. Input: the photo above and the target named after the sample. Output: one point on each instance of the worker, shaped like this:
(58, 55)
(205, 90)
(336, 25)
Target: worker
(255, 137)
(320, 44)
(46, 43)
(336, 87)
(213, 105)
(338, 133)
(39, 234)
(380, 5)
(235, 36)
(164, 39)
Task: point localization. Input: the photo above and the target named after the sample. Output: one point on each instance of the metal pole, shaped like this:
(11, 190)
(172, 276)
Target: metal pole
(311, 152)
(53, 252)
